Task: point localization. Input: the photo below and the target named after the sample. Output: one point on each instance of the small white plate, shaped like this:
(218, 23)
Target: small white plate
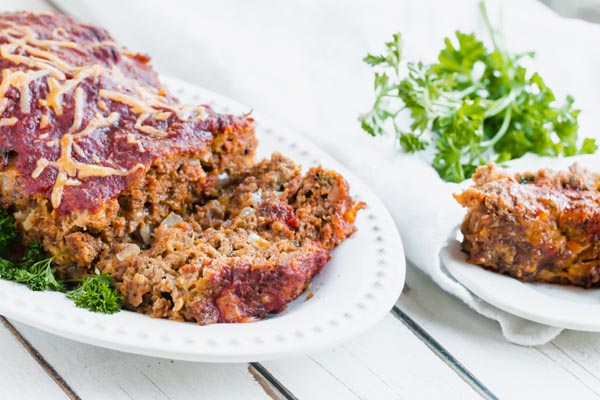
(557, 305)
(354, 291)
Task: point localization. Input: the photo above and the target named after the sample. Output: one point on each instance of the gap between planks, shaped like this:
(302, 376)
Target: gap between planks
(41, 361)
(443, 354)
(272, 387)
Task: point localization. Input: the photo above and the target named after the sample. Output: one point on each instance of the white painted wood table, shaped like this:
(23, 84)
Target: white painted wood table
(429, 346)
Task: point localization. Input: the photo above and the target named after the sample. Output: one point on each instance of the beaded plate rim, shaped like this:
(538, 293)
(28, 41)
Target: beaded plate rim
(377, 282)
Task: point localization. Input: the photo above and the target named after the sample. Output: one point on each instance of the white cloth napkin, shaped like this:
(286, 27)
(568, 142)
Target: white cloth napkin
(300, 62)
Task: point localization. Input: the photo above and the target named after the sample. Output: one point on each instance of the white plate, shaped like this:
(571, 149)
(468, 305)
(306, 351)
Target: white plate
(556, 305)
(355, 290)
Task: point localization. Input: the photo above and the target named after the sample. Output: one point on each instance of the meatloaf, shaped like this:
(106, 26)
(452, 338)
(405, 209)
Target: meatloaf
(536, 227)
(106, 169)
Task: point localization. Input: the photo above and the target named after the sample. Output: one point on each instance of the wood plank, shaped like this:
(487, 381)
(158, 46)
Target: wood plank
(388, 362)
(22, 376)
(92, 371)
(508, 370)
(578, 353)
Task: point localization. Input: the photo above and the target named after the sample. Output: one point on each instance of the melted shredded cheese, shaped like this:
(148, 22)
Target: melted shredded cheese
(57, 89)
(36, 58)
(96, 123)
(78, 109)
(70, 171)
(8, 121)
(6, 52)
(131, 138)
(102, 105)
(43, 122)
(19, 80)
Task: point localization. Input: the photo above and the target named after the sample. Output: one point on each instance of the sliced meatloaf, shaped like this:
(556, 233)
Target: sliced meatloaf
(105, 168)
(243, 254)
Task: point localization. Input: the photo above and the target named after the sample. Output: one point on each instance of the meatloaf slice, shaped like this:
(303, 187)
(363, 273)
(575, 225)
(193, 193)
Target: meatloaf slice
(95, 151)
(536, 227)
(246, 253)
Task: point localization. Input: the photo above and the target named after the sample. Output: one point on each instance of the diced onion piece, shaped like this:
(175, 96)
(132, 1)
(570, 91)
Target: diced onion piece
(257, 197)
(146, 233)
(255, 240)
(171, 219)
(223, 179)
(128, 251)
(247, 211)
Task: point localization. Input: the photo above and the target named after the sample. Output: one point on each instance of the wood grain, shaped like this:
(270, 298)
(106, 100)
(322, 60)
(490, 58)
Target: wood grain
(40, 360)
(388, 362)
(508, 370)
(22, 376)
(97, 373)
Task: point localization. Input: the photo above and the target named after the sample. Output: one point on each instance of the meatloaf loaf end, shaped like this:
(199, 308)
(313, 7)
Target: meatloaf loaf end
(536, 227)
(94, 150)
(105, 168)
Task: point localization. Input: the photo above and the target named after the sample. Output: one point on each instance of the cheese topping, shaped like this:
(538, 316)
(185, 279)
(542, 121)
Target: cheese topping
(78, 110)
(58, 89)
(69, 170)
(43, 122)
(8, 121)
(19, 80)
(96, 123)
(35, 59)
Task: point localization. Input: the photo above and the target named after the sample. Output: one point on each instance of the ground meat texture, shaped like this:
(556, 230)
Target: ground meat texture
(244, 254)
(105, 168)
(536, 227)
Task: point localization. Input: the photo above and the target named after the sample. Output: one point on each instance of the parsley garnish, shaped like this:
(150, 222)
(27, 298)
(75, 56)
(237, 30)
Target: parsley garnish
(97, 294)
(473, 106)
(32, 271)
(39, 275)
(8, 233)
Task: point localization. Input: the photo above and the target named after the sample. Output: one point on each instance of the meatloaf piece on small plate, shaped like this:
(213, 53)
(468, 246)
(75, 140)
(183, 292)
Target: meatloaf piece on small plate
(536, 227)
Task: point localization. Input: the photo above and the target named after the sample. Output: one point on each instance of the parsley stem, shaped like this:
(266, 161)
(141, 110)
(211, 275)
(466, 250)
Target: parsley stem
(499, 105)
(501, 132)
(488, 25)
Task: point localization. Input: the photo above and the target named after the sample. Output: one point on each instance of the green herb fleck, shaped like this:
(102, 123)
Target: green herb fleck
(524, 179)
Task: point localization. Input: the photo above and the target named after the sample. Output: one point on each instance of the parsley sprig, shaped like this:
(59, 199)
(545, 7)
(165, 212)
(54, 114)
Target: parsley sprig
(473, 106)
(33, 270)
(95, 293)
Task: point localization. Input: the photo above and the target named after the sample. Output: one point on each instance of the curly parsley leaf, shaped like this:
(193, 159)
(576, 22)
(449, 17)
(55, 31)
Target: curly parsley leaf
(473, 106)
(38, 276)
(8, 233)
(97, 294)
(33, 254)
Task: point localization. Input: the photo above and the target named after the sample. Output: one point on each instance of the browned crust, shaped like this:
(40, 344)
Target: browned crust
(536, 227)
